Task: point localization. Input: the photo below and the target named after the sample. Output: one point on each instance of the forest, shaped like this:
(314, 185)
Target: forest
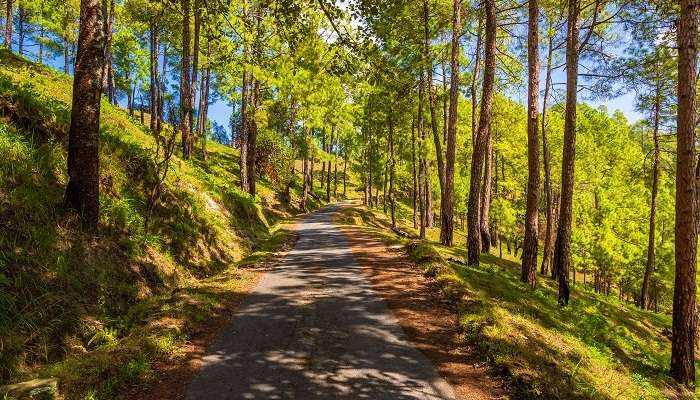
(534, 162)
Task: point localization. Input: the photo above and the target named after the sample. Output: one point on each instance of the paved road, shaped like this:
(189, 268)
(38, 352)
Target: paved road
(314, 329)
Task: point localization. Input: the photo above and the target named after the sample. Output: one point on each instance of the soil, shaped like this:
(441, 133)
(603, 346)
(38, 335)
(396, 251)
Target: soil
(430, 321)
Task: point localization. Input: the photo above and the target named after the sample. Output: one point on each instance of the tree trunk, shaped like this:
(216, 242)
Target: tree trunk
(428, 198)
(432, 100)
(21, 32)
(83, 189)
(195, 70)
(421, 155)
(529, 265)
(562, 249)
(370, 156)
(155, 83)
(204, 110)
(376, 197)
(305, 168)
(129, 98)
(107, 72)
(335, 167)
(475, 80)
(345, 175)
(312, 160)
(66, 56)
(485, 202)
(473, 223)
(415, 175)
(392, 172)
(445, 100)
(292, 139)
(549, 210)
(40, 56)
(683, 340)
(8, 24)
(141, 107)
(447, 201)
(133, 101)
(323, 162)
(651, 259)
(243, 132)
(328, 174)
(385, 183)
(185, 91)
(162, 90)
(253, 139)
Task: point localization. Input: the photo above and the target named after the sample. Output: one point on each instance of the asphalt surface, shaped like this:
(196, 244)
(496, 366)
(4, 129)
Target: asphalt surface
(314, 329)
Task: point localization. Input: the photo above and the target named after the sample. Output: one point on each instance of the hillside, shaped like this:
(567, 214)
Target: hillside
(599, 347)
(97, 312)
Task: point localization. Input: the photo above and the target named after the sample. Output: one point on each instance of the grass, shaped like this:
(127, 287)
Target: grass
(97, 312)
(595, 348)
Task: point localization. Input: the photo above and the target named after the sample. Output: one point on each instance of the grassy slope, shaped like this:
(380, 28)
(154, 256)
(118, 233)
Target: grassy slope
(596, 348)
(93, 312)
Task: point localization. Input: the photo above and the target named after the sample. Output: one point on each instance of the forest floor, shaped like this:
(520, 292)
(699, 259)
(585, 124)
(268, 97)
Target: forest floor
(598, 347)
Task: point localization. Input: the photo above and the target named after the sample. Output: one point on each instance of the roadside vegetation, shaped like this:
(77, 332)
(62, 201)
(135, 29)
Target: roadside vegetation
(96, 312)
(597, 348)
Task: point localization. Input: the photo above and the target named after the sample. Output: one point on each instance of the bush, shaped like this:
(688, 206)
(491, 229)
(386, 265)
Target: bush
(273, 158)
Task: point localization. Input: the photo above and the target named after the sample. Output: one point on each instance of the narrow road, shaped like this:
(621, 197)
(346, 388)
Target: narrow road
(315, 329)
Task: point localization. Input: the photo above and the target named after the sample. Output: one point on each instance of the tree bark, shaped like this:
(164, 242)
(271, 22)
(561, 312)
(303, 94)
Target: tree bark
(185, 91)
(195, 70)
(162, 90)
(307, 178)
(475, 81)
(8, 24)
(345, 175)
(429, 216)
(335, 167)
(529, 265)
(651, 255)
(292, 139)
(549, 210)
(421, 156)
(485, 202)
(129, 95)
(328, 173)
(432, 100)
(392, 172)
(323, 162)
(21, 32)
(447, 201)
(415, 175)
(253, 139)
(40, 56)
(66, 56)
(83, 190)
(473, 223)
(562, 249)
(155, 83)
(684, 304)
(107, 73)
(370, 156)
(204, 109)
(243, 132)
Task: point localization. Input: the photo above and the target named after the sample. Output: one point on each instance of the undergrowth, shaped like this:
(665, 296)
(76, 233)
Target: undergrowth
(598, 347)
(96, 312)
